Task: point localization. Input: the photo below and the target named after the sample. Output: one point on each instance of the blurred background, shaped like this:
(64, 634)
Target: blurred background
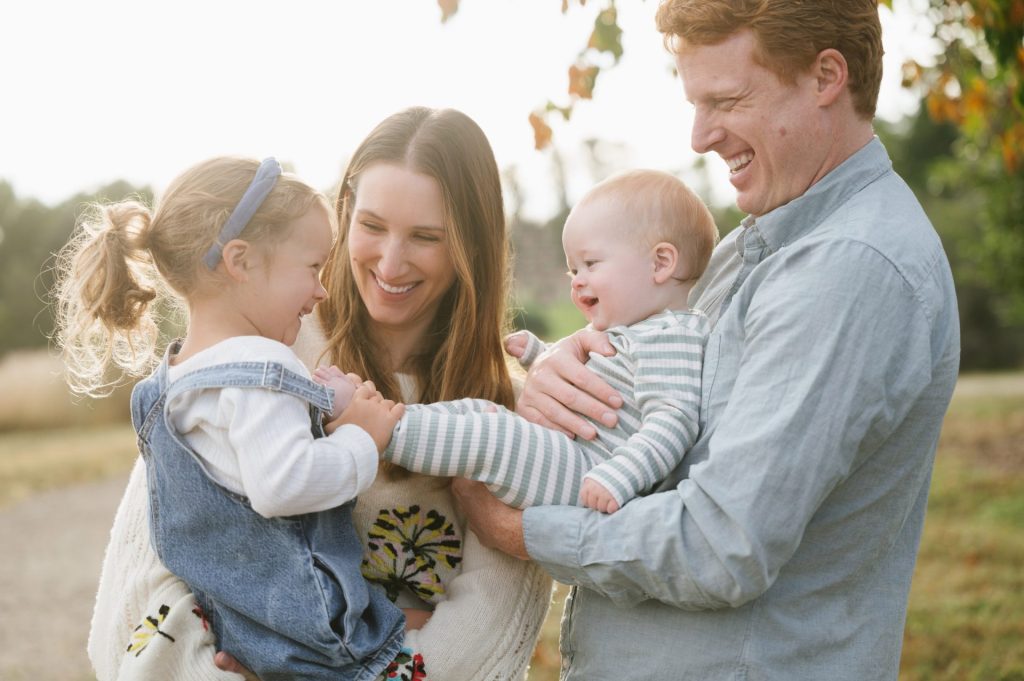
(108, 99)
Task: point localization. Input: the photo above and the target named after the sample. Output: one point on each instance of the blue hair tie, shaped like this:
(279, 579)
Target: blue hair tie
(252, 199)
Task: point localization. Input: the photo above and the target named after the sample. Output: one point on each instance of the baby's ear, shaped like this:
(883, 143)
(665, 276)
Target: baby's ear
(665, 257)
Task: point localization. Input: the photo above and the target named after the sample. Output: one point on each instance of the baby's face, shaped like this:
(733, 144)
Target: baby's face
(612, 271)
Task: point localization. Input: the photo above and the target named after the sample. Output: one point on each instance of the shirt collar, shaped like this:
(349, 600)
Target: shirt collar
(789, 222)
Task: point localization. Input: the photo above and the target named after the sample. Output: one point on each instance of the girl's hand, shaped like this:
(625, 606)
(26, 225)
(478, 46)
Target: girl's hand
(559, 388)
(344, 386)
(596, 496)
(371, 412)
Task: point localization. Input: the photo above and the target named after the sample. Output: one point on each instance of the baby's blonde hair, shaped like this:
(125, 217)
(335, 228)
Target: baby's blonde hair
(662, 208)
(124, 257)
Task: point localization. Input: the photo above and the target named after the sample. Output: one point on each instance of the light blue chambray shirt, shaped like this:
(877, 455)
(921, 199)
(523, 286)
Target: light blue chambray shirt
(783, 545)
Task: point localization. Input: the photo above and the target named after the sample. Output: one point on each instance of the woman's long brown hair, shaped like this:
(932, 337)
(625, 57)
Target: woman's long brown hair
(461, 354)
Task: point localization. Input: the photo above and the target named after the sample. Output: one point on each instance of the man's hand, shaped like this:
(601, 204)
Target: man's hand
(559, 388)
(596, 496)
(495, 524)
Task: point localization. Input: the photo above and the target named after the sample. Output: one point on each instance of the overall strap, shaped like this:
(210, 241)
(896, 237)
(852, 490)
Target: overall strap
(268, 375)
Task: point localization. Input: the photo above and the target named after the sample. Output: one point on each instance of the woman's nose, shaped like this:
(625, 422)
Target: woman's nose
(392, 259)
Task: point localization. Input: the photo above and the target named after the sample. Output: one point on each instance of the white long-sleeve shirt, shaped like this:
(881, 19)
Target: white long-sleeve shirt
(257, 442)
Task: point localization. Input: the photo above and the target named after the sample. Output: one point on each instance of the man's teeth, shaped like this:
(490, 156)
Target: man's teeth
(394, 289)
(738, 163)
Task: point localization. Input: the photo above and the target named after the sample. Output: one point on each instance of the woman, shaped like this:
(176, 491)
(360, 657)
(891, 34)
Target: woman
(416, 283)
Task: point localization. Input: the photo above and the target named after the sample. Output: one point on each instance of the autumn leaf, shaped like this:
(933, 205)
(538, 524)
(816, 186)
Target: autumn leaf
(582, 80)
(448, 8)
(541, 132)
(607, 36)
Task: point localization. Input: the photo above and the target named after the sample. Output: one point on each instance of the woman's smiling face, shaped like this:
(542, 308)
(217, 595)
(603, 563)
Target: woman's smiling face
(398, 244)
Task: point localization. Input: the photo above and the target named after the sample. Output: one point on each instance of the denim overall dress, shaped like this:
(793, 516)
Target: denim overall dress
(285, 596)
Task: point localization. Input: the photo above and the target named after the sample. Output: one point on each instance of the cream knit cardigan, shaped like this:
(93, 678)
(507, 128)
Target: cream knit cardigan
(485, 629)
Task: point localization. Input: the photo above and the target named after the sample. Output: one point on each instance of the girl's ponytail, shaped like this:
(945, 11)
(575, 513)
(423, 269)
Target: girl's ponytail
(106, 288)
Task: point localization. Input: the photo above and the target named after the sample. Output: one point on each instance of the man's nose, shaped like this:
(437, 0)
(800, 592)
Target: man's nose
(706, 132)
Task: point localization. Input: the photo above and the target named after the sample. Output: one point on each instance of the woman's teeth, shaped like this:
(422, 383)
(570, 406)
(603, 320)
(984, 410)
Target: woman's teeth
(394, 289)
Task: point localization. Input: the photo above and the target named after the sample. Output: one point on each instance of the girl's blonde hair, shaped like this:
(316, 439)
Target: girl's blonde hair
(461, 355)
(124, 257)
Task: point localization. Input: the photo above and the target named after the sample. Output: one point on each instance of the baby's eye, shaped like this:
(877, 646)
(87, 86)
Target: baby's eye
(571, 273)
(590, 263)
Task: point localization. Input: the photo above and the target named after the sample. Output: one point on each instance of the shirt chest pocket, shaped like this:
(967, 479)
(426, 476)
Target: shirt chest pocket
(721, 363)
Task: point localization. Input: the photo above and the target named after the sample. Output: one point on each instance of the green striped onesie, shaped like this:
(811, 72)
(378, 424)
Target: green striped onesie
(656, 369)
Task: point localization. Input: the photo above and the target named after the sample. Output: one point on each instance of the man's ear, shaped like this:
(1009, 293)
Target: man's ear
(665, 257)
(832, 73)
(237, 255)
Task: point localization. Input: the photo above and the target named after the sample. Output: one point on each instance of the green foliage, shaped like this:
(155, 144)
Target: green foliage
(977, 86)
(30, 234)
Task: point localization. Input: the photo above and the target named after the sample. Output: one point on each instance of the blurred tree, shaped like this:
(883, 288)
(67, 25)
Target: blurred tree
(31, 233)
(976, 86)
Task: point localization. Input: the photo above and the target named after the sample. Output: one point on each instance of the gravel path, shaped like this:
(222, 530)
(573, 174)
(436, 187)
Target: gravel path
(54, 544)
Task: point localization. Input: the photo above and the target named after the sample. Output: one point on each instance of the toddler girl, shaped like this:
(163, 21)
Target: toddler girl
(250, 504)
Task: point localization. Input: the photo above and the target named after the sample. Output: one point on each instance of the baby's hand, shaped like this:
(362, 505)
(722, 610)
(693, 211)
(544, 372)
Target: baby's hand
(594, 495)
(515, 344)
(371, 412)
(344, 385)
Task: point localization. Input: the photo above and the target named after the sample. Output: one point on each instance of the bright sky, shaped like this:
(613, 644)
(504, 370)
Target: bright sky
(139, 90)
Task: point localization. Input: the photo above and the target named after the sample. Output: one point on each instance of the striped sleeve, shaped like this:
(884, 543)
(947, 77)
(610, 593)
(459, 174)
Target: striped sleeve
(668, 360)
(534, 346)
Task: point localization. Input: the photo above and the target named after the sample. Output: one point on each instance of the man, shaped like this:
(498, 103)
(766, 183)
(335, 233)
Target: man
(783, 546)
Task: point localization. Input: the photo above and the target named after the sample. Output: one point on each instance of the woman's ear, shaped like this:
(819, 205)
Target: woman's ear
(236, 256)
(666, 258)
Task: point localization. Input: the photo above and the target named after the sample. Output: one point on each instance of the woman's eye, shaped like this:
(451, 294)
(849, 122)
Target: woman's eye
(428, 238)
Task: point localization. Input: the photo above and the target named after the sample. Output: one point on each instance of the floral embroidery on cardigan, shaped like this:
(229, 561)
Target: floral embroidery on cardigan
(406, 667)
(406, 549)
(143, 634)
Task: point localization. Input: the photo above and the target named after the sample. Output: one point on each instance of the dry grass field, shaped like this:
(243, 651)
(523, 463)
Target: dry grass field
(966, 619)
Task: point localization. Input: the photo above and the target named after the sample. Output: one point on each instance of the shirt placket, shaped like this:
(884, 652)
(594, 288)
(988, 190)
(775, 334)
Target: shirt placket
(752, 249)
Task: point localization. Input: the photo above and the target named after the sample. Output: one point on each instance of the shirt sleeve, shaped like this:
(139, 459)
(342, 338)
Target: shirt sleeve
(835, 347)
(284, 469)
(667, 392)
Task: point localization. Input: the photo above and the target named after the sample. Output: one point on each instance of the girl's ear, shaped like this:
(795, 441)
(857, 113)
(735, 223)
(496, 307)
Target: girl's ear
(236, 256)
(665, 257)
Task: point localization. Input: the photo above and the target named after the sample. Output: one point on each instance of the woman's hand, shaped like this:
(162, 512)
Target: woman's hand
(228, 663)
(559, 388)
